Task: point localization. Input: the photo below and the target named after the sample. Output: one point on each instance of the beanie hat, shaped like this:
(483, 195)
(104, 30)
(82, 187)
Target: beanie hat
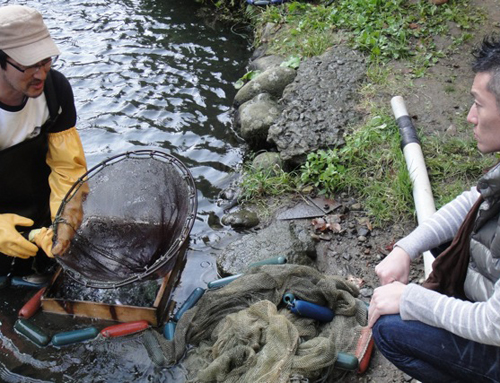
(24, 36)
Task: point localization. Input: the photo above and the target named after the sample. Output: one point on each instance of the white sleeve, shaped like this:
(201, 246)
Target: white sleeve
(441, 227)
(479, 321)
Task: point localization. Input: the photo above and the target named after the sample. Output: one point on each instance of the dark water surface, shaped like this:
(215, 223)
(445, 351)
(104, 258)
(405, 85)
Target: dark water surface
(145, 74)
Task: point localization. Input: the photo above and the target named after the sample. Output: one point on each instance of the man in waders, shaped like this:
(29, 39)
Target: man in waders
(448, 330)
(41, 155)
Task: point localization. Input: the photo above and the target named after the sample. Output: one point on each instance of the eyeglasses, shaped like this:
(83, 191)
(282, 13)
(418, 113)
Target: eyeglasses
(32, 69)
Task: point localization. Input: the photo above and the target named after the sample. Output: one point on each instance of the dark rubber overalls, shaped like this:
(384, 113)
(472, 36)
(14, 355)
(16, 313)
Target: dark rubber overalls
(25, 189)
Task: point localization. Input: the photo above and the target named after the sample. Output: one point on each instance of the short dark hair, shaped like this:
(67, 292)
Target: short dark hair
(487, 59)
(3, 60)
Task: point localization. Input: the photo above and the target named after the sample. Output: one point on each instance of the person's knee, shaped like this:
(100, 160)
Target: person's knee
(384, 330)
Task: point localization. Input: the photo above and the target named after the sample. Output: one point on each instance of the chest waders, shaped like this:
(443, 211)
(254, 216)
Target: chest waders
(24, 183)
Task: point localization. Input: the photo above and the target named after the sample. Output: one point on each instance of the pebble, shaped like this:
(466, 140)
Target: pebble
(356, 206)
(366, 292)
(363, 231)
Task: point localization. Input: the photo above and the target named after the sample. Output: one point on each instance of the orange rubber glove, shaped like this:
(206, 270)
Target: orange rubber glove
(12, 243)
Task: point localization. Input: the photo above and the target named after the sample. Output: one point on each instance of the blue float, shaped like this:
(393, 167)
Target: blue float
(190, 302)
(308, 309)
(222, 282)
(169, 330)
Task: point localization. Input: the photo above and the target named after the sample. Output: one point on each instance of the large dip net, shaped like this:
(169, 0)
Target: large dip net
(138, 210)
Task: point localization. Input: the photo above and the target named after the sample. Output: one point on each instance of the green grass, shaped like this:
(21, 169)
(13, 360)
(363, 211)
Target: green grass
(383, 29)
(371, 165)
(258, 183)
(454, 165)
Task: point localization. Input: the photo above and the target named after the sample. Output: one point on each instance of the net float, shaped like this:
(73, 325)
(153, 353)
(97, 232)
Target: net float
(169, 330)
(222, 282)
(69, 337)
(32, 332)
(311, 310)
(32, 306)
(123, 329)
(346, 362)
(270, 261)
(190, 302)
(308, 309)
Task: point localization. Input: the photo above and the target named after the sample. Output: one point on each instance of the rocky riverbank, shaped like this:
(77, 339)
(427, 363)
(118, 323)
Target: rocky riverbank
(289, 113)
(292, 112)
(295, 112)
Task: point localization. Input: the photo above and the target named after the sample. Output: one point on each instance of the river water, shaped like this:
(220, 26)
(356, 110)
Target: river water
(145, 74)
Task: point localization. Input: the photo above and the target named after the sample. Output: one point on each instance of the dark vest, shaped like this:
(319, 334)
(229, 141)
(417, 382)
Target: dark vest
(484, 265)
(24, 173)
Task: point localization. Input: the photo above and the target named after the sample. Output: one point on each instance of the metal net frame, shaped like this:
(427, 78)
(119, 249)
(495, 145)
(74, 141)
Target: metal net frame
(138, 211)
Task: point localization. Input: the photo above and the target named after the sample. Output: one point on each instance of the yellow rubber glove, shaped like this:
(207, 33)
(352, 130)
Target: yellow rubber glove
(66, 160)
(12, 243)
(43, 239)
(67, 163)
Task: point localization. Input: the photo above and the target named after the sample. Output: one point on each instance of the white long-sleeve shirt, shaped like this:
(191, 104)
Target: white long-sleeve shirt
(478, 321)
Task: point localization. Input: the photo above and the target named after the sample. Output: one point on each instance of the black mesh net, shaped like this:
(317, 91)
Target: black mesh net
(137, 217)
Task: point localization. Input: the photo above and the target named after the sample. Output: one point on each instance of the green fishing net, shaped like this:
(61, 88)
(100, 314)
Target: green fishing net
(244, 333)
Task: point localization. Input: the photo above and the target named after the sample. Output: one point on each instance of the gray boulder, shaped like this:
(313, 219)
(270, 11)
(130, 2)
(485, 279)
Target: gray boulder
(272, 81)
(265, 62)
(241, 219)
(255, 118)
(269, 162)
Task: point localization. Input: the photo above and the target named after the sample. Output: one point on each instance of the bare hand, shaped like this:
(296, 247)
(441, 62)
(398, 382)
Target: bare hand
(394, 267)
(385, 300)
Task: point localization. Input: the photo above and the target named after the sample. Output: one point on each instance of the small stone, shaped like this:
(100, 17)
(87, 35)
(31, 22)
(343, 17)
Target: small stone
(366, 292)
(363, 231)
(241, 219)
(356, 207)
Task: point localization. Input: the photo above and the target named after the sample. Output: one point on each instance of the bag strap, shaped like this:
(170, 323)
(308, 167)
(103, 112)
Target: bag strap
(51, 97)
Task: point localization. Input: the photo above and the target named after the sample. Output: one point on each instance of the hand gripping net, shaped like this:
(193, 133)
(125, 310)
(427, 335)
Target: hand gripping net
(137, 217)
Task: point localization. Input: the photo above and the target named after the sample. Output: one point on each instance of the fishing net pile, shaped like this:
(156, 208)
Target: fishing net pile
(243, 332)
(137, 216)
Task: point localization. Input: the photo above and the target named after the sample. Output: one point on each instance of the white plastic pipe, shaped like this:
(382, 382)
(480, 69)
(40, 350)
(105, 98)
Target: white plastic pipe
(422, 192)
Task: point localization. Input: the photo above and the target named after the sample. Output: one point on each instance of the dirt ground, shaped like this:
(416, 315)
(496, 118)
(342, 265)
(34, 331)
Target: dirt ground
(438, 104)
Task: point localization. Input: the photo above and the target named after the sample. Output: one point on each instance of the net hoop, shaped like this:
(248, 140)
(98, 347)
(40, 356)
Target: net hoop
(165, 262)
